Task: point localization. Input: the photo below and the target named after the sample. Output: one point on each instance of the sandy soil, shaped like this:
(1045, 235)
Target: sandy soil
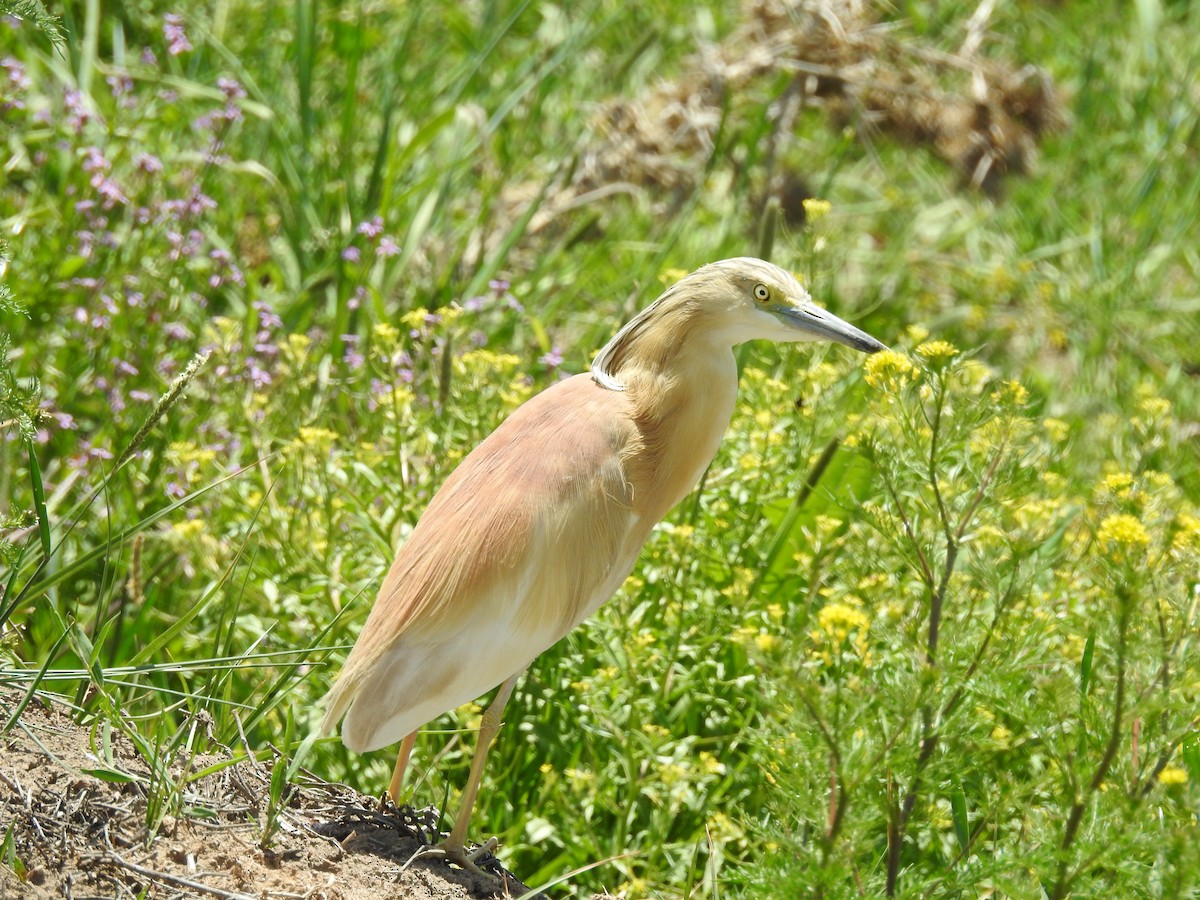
(79, 836)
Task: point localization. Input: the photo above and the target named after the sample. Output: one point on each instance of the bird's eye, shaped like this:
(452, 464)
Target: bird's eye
(762, 293)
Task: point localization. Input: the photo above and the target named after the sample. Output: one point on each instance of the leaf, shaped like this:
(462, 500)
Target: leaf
(958, 811)
(8, 853)
(1085, 665)
(39, 500)
(838, 478)
(114, 775)
(1190, 750)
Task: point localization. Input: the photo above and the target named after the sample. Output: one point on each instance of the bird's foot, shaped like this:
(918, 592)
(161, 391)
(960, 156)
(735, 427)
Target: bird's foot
(469, 861)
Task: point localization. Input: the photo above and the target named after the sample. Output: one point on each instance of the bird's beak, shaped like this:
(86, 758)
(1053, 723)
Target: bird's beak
(824, 325)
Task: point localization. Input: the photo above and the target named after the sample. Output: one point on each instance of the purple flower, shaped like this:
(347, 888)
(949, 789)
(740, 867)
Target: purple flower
(87, 243)
(120, 84)
(387, 247)
(77, 112)
(148, 57)
(16, 73)
(176, 332)
(474, 304)
(141, 396)
(109, 190)
(351, 254)
(18, 81)
(181, 246)
(259, 377)
(266, 317)
(231, 88)
(176, 490)
(177, 40)
(94, 161)
(123, 368)
(371, 229)
(148, 163)
(553, 359)
(65, 421)
(499, 285)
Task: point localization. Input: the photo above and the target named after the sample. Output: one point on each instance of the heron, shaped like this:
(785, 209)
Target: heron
(542, 522)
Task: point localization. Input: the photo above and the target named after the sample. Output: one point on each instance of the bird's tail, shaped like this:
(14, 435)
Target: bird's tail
(337, 701)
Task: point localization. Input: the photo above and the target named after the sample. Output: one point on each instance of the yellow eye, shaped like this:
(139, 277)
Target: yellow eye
(762, 293)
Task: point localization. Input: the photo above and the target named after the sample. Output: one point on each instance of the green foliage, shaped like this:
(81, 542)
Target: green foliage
(927, 628)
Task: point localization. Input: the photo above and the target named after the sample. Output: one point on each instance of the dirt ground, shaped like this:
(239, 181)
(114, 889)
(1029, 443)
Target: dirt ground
(75, 835)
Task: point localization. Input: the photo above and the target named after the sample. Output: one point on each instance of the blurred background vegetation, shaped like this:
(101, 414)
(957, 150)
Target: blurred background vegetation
(928, 627)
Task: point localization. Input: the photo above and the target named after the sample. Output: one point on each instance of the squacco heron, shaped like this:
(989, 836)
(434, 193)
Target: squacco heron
(544, 520)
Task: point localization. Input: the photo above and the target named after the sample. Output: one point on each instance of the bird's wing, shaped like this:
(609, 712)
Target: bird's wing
(530, 533)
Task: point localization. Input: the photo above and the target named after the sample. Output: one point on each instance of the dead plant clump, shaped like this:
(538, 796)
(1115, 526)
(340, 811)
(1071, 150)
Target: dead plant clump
(983, 116)
(75, 825)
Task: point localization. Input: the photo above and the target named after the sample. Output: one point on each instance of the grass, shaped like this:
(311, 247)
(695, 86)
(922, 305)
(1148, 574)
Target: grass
(926, 628)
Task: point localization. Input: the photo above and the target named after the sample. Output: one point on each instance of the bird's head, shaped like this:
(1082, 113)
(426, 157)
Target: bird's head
(731, 301)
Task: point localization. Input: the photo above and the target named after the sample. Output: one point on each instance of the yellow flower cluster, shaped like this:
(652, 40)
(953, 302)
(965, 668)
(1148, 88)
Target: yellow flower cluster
(1119, 484)
(1122, 536)
(1056, 429)
(486, 361)
(842, 627)
(1187, 534)
(815, 209)
(317, 438)
(385, 333)
(839, 619)
(1011, 393)
(889, 371)
(937, 350)
(415, 317)
(1172, 776)
(184, 452)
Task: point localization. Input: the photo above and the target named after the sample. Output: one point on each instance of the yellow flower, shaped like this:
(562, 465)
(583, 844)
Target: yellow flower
(415, 317)
(1056, 429)
(1002, 736)
(1172, 776)
(1122, 534)
(189, 528)
(711, 764)
(1155, 407)
(917, 333)
(483, 361)
(766, 642)
(385, 333)
(815, 209)
(318, 438)
(1011, 392)
(937, 350)
(889, 371)
(1119, 484)
(670, 276)
(1187, 533)
(1073, 647)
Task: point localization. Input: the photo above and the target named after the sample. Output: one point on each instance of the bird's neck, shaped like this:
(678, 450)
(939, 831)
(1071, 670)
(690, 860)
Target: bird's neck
(683, 396)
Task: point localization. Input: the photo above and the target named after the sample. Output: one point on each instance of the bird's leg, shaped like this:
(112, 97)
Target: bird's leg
(406, 747)
(452, 847)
